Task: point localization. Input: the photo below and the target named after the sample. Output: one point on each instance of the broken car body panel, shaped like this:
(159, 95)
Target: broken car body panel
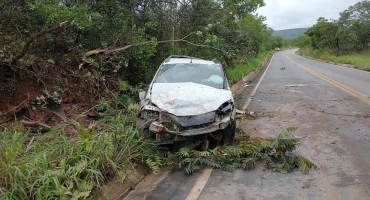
(158, 128)
(187, 97)
(184, 99)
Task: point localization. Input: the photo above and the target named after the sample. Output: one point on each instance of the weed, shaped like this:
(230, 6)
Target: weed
(237, 96)
(240, 131)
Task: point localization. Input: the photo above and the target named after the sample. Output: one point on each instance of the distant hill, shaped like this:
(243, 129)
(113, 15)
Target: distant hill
(289, 34)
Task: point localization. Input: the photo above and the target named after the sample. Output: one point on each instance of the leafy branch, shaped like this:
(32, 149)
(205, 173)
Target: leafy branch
(32, 39)
(245, 155)
(184, 39)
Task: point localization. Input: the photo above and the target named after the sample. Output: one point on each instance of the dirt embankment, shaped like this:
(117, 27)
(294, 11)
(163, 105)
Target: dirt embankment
(27, 98)
(20, 100)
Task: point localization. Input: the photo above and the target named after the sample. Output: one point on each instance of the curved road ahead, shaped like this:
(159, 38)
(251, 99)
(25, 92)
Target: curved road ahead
(330, 107)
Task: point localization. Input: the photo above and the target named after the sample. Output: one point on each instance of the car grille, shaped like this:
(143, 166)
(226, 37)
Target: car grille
(173, 127)
(190, 121)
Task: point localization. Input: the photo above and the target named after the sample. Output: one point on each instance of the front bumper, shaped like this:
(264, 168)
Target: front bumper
(158, 128)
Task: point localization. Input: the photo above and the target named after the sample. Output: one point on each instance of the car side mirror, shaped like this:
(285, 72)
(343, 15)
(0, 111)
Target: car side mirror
(142, 95)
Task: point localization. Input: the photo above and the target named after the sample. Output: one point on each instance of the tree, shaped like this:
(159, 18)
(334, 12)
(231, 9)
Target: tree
(354, 28)
(226, 25)
(351, 33)
(323, 34)
(302, 41)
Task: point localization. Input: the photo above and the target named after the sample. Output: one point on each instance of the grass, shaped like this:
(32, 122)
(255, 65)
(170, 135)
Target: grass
(359, 61)
(236, 73)
(54, 166)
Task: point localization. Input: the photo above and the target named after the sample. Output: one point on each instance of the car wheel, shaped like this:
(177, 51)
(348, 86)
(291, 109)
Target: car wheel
(229, 133)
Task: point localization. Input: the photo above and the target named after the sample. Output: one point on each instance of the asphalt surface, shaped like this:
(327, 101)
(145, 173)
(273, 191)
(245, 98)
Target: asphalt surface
(330, 107)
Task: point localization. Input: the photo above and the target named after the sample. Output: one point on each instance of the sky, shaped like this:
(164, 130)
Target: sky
(289, 14)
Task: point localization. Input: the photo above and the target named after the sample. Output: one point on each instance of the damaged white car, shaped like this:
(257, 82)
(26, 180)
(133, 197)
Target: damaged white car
(188, 103)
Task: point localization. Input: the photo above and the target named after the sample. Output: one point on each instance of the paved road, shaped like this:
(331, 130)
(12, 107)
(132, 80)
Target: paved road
(330, 107)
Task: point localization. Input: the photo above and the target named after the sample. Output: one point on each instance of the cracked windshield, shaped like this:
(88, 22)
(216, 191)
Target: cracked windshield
(185, 99)
(205, 74)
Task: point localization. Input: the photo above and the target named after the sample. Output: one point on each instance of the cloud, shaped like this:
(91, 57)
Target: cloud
(287, 14)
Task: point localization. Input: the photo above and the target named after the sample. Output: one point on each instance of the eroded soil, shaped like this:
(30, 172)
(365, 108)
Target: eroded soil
(19, 99)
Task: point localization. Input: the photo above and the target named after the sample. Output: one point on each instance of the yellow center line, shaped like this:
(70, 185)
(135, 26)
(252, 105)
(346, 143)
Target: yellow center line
(363, 97)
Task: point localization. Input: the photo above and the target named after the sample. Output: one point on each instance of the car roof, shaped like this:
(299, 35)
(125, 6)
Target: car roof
(187, 59)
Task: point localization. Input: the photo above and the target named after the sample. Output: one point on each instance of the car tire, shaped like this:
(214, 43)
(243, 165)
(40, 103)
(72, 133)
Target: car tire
(229, 133)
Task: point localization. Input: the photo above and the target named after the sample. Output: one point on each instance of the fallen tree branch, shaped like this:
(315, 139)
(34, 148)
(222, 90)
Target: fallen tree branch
(110, 51)
(28, 43)
(106, 52)
(36, 125)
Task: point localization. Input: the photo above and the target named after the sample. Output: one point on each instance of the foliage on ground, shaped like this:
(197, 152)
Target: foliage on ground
(359, 61)
(276, 154)
(54, 165)
(61, 165)
(72, 160)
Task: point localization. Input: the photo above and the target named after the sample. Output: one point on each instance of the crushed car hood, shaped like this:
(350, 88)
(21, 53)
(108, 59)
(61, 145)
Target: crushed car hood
(187, 99)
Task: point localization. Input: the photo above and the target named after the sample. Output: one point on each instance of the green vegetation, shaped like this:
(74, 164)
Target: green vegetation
(290, 34)
(53, 165)
(104, 51)
(244, 155)
(60, 34)
(61, 167)
(236, 73)
(347, 38)
(359, 61)
(74, 162)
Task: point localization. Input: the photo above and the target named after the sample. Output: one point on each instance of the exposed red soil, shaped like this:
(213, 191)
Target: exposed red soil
(17, 99)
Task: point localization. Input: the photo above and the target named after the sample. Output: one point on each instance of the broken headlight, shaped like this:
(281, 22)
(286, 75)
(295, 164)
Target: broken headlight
(224, 110)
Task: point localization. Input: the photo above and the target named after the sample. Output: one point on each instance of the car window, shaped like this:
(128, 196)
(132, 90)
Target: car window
(205, 74)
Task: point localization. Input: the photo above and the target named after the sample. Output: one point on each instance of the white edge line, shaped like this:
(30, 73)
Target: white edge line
(206, 173)
(256, 87)
(199, 185)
